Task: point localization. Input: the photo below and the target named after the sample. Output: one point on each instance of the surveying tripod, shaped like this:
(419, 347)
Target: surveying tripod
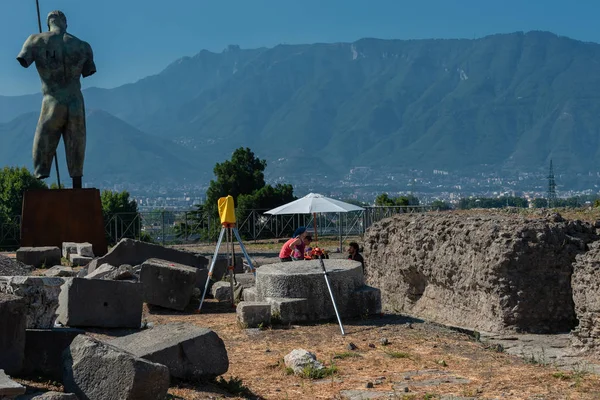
(230, 230)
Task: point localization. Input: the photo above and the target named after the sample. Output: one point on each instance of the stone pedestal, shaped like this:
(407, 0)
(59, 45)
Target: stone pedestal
(53, 216)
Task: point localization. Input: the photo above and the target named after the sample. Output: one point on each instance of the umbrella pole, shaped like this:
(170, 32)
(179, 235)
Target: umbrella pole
(337, 314)
(315, 225)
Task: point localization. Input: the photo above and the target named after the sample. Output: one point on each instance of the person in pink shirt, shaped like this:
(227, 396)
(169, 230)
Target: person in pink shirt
(293, 244)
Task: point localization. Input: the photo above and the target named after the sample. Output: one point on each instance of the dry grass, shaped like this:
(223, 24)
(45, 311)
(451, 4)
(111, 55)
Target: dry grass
(256, 358)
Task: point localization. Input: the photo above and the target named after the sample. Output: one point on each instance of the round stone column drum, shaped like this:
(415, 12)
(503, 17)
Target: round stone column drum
(304, 281)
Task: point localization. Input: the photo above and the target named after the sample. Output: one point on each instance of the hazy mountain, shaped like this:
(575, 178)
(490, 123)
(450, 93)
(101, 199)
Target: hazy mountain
(503, 101)
(116, 151)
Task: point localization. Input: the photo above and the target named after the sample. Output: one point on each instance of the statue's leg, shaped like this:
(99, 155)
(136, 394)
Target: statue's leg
(74, 137)
(47, 135)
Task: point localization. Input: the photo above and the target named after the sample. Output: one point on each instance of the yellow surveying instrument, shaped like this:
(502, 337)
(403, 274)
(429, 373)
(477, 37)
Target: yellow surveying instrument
(227, 216)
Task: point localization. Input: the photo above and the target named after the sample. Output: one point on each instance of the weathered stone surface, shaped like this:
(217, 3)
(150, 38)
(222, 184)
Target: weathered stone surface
(586, 295)
(101, 272)
(43, 351)
(488, 272)
(290, 310)
(12, 332)
(40, 294)
(100, 303)
(364, 394)
(60, 271)
(252, 314)
(298, 359)
(246, 280)
(366, 300)
(69, 248)
(167, 284)
(134, 252)
(250, 294)
(39, 256)
(96, 370)
(12, 267)
(124, 272)
(305, 280)
(190, 352)
(8, 387)
(48, 396)
(85, 249)
(78, 260)
(221, 291)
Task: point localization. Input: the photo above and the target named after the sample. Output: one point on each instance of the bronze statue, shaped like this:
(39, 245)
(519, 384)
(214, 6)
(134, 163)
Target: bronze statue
(60, 59)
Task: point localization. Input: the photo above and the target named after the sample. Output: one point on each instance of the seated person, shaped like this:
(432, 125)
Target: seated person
(289, 246)
(353, 254)
(300, 250)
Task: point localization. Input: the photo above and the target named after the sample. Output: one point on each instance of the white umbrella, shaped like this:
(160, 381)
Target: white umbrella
(314, 203)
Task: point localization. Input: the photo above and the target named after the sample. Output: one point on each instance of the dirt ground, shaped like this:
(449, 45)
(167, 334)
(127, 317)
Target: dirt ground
(420, 361)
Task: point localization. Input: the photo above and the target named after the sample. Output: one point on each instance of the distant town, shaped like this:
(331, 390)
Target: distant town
(364, 184)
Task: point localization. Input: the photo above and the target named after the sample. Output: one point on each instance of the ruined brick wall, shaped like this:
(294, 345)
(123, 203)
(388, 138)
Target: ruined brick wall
(489, 272)
(586, 295)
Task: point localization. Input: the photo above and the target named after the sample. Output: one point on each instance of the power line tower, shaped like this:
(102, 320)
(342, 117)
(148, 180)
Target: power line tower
(551, 187)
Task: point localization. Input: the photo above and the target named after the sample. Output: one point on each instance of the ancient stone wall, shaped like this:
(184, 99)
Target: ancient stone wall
(489, 272)
(586, 295)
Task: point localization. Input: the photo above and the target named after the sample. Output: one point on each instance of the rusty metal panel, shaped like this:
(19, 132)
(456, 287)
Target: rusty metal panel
(53, 216)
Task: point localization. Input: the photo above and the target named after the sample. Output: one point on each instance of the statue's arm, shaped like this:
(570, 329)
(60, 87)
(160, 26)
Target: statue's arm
(89, 68)
(27, 54)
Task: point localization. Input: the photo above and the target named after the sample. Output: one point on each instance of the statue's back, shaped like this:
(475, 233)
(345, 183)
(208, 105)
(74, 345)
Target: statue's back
(61, 59)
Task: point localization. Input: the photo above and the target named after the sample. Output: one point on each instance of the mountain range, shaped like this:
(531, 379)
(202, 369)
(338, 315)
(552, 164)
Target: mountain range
(502, 102)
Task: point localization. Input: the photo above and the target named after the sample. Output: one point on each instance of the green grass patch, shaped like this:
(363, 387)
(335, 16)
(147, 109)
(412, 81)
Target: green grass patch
(310, 372)
(397, 354)
(234, 386)
(346, 354)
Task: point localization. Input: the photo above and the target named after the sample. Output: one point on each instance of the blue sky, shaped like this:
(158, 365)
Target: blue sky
(132, 39)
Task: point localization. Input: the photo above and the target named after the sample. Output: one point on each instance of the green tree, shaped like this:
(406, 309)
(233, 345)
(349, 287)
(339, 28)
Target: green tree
(264, 198)
(14, 182)
(440, 205)
(243, 174)
(120, 215)
(384, 200)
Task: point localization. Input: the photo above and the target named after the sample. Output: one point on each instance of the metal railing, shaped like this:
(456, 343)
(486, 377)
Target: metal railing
(180, 227)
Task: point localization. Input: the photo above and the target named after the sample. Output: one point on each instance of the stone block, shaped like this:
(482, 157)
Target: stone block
(190, 352)
(43, 351)
(69, 248)
(289, 310)
(48, 396)
(124, 272)
(102, 272)
(39, 256)
(78, 260)
(8, 387)
(96, 370)
(134, 252)
(12, 332)
(245, 280)
(250, 294)
(221, 291)
(253, 314)
(58, 271)
(366, 300)
(100, 303)
(221, 264)
(40, 294)
(85, 249)
(167, 284)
